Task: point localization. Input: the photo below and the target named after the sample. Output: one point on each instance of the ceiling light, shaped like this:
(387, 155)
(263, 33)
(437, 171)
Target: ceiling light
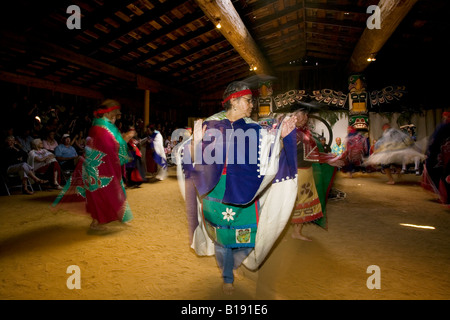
(218, 25)
(371, 58)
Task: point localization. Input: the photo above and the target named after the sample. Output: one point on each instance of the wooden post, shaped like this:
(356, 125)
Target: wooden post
(234, 30)
(392, 13)
(147, 108)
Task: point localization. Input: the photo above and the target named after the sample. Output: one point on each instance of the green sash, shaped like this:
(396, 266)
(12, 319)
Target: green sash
(229, 225)
(112, 128)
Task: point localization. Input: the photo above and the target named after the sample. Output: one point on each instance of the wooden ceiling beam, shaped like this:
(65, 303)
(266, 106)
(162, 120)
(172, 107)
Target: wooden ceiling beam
(204, 60)
(327, 56)
(312, 4)
(336, 23)
(126, 28)
(257, 5)
(277, 15)
(188, 18)
(221, 73)
(171, 45)
(48, 49)
(192, 52)
(55, 51)
(372, 40)
(90, 19)
(326, 33)
(50, 85)
(281, 28)
(337, 51)
(215, 69)
(219, 84)
(234, 30)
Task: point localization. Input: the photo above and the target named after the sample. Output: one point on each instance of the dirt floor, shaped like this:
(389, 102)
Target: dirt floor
(151, 258)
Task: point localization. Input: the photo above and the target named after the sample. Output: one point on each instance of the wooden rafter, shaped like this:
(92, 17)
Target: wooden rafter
(171, 45)
(52, 50)
(392, 13)
(155, 35)
(234, 30)
(50, 85)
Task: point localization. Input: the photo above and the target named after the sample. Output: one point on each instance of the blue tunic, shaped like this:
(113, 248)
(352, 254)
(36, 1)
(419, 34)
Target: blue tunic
(237, 148)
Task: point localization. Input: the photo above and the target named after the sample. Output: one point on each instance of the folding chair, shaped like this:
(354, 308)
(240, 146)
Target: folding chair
(12, 180)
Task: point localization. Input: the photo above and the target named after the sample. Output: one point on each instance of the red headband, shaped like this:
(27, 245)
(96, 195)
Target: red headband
(101, 111)
(237, 95)
(446, 116)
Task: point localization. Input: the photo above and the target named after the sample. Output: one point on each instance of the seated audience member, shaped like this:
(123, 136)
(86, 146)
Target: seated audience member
(52, 125)
(44, 162)
(50, 143)
(66, 155)
(24, 139)
(15, 163)
(79, 142)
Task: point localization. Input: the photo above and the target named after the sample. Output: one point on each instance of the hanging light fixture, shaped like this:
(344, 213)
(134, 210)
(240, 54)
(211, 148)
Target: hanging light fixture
(371, 58)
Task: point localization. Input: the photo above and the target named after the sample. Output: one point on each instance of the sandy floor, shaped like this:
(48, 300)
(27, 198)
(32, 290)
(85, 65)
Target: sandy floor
(151, 258)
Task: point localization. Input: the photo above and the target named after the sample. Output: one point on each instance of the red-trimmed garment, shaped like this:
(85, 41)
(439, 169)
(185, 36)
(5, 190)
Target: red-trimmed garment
(108, 202)
(97, 180)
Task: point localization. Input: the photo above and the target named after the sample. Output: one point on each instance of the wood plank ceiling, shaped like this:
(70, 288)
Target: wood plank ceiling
(169, 45)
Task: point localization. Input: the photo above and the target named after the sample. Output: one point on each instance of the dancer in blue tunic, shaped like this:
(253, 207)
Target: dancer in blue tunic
(239, 182)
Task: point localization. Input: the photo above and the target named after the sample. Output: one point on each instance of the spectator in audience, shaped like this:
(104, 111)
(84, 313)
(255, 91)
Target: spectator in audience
(52, 125)
(79, 142)
(338, 148)
(50, 142)
(24, 139)
(66, 155)
(7, 130)
(326, 148)
(44, 162)
(15, 162)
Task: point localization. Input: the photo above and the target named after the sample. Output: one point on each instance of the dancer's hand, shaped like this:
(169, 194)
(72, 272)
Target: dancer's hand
(288, 125)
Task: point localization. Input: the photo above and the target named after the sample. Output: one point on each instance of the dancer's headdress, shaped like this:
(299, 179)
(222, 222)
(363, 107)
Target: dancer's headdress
(107, 106)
